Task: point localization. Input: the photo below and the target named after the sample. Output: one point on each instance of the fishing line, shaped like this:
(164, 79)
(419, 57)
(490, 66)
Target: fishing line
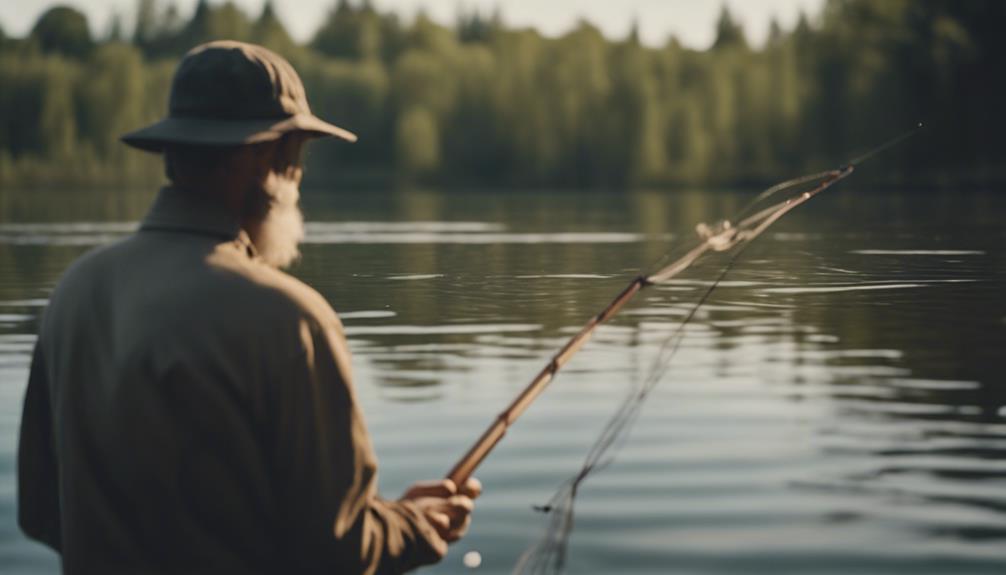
(889, 144)
(727, 238)
(549, 554)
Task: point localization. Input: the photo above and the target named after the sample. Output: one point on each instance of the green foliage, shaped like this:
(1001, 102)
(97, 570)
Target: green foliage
(357, 95)
(729, 34)
(350, 32)
(474, 27)
(269, 32)
(63, 30)
(111, 101)
(226, 21)
(417, 142)
(481, 103)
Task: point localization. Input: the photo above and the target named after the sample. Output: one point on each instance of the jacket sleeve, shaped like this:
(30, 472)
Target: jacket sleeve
(331, 517)
(38, 472)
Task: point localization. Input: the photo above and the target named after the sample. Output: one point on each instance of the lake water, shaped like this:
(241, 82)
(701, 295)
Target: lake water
(838, 406)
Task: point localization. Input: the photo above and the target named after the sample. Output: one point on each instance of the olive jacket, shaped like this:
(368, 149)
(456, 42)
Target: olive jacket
(191, 410)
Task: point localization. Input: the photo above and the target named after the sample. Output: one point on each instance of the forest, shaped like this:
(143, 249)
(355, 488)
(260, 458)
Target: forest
(480, 103)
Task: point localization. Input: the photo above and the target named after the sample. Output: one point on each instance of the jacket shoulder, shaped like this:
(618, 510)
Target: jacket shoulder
(269, 286)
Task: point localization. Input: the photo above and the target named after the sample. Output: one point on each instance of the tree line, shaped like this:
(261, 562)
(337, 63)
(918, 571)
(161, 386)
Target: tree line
(481, 103)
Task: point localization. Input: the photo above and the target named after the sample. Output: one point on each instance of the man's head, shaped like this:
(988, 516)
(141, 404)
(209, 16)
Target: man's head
(257, 182)
(237, 122)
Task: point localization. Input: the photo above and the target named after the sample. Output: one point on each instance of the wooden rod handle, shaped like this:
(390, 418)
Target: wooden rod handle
(464, 468)
(467, 464)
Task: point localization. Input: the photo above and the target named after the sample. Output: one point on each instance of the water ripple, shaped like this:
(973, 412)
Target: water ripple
(453, 329)
(918, 252)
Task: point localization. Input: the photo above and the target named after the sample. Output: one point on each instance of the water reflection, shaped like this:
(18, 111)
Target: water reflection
(837, 406)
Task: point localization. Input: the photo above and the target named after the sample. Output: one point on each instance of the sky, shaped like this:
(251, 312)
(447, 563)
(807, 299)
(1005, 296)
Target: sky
(691, 21)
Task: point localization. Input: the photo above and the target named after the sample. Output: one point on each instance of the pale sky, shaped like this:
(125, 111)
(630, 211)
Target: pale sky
(692, 21)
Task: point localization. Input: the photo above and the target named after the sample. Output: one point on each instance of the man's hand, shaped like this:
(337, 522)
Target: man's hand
(447, 508)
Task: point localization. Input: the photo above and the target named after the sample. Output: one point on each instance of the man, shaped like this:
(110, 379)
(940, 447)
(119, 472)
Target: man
(190, 407)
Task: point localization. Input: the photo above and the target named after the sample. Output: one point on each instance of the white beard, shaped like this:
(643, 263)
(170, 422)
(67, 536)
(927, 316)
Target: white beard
(281, 230)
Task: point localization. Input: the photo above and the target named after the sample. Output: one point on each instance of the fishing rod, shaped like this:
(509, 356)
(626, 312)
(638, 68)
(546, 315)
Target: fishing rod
(714, 239)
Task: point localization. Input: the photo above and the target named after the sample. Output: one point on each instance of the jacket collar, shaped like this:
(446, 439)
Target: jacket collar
(175, 210)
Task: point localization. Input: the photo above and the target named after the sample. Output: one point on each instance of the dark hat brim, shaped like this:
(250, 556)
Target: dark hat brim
(214, 132)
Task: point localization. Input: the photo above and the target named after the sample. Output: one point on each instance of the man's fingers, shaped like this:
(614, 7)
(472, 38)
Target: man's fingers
(459, 508)
(439, 545)
(454, 509)
(440, 488)
(444, 488)
(460, 505)
(449, 515)
(440, 521)
(458, 531)
(472, 488)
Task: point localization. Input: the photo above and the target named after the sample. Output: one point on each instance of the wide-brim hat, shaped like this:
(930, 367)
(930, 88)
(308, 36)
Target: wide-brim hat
(228, 93)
